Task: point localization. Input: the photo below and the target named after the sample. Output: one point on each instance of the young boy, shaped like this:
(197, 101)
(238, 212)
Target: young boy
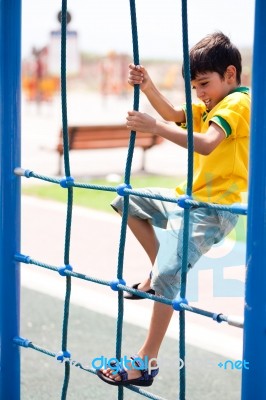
(221, 136)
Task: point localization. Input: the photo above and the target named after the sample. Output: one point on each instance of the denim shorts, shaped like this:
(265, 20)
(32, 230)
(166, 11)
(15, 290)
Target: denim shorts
(206, 227)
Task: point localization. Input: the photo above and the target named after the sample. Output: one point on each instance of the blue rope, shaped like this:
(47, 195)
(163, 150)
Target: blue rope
(190, 147)
(64, 87)
(122, 241)
(118, 285)
(182, 201)
(69, 189)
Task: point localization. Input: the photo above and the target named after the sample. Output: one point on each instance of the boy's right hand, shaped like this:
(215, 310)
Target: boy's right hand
(138, 76)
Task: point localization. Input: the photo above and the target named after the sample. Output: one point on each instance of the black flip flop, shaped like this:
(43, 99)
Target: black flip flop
(132, 296)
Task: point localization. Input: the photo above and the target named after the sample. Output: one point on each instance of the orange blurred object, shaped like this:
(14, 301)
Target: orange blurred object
(42, 89)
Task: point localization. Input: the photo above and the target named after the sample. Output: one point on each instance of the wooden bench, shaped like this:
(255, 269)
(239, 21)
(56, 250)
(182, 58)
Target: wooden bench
(104, 137)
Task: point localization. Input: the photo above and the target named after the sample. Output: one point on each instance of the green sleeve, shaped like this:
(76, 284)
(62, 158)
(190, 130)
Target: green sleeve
(220, 121)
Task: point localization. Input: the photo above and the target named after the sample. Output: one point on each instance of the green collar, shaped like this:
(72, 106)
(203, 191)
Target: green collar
(241, 89)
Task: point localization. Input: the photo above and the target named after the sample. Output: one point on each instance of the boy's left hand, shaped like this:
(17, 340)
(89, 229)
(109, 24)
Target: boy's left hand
(141, 122)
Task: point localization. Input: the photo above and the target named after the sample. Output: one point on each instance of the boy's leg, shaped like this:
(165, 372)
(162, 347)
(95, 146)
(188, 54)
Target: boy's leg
(161, 317)
(143, 215)
(144, 233)
(218, 224)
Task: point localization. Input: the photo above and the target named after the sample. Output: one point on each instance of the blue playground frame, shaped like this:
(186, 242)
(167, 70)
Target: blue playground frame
(254, 351)
(10, 150)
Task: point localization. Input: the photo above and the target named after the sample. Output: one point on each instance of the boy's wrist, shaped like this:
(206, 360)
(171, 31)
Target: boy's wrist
(158, 127)
(149, 88)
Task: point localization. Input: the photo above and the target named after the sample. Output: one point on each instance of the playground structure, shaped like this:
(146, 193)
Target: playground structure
(254, 327)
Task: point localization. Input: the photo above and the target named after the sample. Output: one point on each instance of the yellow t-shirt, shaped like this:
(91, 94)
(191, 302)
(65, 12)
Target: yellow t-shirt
(221, 176)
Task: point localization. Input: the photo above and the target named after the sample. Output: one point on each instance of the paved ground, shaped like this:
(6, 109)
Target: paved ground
(216, 284)
(92, 334)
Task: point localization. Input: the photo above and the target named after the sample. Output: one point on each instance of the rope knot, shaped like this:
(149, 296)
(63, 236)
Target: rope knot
(62, 270)
(182, 201)
(63, 356)
(114, 284)
(67, 182)
(121, 189)
(177, 303)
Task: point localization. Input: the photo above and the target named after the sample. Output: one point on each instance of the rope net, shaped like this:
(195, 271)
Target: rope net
(118, 284)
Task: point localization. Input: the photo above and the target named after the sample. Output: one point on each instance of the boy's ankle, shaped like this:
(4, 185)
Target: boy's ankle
(152, 360)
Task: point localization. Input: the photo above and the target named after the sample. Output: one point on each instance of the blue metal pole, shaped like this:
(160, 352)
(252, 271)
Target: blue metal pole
(10, 96)
(254, 374)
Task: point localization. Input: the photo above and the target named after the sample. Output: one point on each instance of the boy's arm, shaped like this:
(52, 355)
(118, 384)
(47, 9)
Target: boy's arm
(138, 75)
(203, 143)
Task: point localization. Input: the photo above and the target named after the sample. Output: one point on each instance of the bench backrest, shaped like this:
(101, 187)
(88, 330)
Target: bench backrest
(105, 136)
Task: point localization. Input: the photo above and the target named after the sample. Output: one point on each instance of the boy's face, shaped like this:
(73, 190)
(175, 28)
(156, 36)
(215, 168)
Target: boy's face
(211, 88)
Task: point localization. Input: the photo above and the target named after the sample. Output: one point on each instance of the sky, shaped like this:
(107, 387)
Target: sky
(104, 25)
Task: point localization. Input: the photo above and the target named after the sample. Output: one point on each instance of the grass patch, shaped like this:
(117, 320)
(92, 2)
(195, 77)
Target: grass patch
(97, 199)
(100, 200)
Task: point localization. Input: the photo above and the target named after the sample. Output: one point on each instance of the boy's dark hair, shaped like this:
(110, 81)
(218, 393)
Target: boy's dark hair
(215, 53)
